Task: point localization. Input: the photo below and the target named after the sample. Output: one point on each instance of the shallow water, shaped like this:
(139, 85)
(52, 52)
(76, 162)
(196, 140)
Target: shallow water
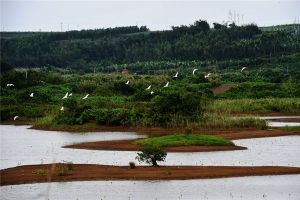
(22, 146)
(278, 123)
(247, 188)
(282, 124)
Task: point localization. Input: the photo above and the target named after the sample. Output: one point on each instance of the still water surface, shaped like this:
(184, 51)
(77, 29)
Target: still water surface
(23, 146)
(20, 146)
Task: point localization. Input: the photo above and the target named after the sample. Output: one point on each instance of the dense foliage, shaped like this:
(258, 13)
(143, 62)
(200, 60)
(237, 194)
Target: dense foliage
(107, 49)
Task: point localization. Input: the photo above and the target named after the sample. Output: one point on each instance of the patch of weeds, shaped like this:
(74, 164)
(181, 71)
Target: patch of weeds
(40, 171)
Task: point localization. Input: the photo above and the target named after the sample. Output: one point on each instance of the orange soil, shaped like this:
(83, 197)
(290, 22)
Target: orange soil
(49, 173)
(223, 88)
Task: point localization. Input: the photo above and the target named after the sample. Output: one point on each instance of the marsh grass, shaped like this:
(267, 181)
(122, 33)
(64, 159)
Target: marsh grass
(228, 122)
(255, 106)
(291, 128)
(185, 140)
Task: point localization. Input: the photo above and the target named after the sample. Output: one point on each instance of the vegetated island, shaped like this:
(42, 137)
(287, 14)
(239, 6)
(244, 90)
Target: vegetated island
(59, 172)
(170, 143)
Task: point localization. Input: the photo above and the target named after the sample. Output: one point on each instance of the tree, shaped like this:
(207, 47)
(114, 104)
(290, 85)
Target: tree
(151, 154)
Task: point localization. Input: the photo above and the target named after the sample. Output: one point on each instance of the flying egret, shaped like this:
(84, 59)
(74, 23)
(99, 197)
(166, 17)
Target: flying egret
(127, 82)
(243, 69)
(148, 88)
(66, 96)
(62, 108)
(167, 84)
(31, 95)
(194, 71)
(176, 75)
(151, 92)
(16, 117)
(86, 96)
(10, 85)
(70, 94)
(206, 76)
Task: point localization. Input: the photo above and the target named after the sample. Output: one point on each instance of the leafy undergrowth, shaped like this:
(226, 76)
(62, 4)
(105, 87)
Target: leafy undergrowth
(185, 140)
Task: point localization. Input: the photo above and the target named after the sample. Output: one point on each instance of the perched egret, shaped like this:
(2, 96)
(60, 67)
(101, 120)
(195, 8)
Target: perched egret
(10, 85)
(167, 84)
(66, 96)
(148, 88)
(62, 108)
(151, 92)
(31, 95)
(176, 75)
(206, 76)
(194, 71)
(127, 82)
(70, 94)
(16, 117)
(86, 96)
(243, 69)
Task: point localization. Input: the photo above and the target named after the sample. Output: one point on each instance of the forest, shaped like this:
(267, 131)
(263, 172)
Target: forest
(190, 76)
(144, 51)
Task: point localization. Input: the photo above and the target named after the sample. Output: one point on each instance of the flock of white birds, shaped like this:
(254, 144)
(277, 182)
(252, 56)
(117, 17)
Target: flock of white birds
(127, 83)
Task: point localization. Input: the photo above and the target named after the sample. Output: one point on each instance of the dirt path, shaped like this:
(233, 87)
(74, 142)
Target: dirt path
(80, 172)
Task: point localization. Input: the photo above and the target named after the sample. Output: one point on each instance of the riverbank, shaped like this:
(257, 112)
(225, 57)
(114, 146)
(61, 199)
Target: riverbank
(83, 172)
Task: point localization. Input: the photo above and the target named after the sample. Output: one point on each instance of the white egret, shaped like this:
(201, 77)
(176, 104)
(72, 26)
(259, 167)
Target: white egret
(66, 96)
(148, 88)
(127, 82)
(70, 94)
(86, 96)
(176, 75)
(167, 84)
(206, 76)
(243, 69)
(10, 85)
(62, 108)
(16, 117)
(31, 95)
(151, 92)
(194, 71)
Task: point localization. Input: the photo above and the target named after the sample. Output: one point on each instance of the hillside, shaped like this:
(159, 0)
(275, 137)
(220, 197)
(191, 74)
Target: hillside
(144, 51)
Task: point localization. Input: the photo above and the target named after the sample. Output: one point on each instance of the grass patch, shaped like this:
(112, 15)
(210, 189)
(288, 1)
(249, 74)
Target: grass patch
(185, 140)
(291, 128)
(228, 122)
(256, 106)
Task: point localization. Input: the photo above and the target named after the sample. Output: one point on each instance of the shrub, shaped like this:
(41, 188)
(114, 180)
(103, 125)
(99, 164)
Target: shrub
(151, 154)
(132, 165)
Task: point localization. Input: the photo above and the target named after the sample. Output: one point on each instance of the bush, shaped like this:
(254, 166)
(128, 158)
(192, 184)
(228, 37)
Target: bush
(119, 116)
(176, 106)
(132, 165)
(151, 154)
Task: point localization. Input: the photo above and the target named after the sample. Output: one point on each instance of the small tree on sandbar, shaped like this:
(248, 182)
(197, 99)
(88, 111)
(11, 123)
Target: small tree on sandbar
(151, 155)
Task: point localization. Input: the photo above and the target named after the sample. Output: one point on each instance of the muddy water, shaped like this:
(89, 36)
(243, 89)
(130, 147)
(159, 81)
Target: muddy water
(246, 188)
(22, 146)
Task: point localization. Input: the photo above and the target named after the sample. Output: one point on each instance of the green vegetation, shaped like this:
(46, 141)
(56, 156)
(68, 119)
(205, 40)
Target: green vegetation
(291, 128)
(52, 64)
(224, 121)
(184, 140)
(255, 106)
(151, 155)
